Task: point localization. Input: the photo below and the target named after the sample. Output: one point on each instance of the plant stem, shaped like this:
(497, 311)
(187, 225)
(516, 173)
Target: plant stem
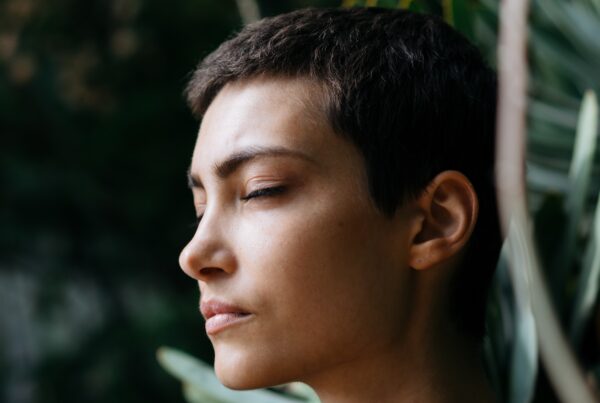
(563, 370)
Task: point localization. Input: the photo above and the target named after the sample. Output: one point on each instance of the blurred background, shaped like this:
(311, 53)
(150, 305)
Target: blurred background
(95, 141)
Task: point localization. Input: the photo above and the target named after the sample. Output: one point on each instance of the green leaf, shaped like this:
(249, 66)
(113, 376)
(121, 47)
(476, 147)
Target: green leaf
(304, 391)
(542, 90)
(404, 4)
(500, 325)
(523, 369)
(195, 395)
(578, 23)
(585, 146)
(579, 180)
(460, 14)
(588, 280)
(550, 55)
(348, 3)
(201, 381)
(560, 116)
(524, 355)
(587, 290)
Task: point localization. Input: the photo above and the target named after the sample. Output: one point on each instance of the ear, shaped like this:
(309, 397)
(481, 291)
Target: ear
(449, 208)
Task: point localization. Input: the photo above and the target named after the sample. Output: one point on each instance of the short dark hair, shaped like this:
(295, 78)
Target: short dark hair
(409, 91)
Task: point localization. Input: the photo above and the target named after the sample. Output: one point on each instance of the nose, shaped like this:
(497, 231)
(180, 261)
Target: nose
(207, 256)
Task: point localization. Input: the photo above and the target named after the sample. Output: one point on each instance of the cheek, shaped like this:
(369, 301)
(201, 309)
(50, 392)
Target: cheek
(319, 246)
(317, 277)
(319, 268)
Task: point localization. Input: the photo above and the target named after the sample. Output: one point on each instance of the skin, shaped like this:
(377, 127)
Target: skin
(339, 296)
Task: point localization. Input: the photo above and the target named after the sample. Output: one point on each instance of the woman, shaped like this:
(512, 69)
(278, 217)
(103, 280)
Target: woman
(347, 227)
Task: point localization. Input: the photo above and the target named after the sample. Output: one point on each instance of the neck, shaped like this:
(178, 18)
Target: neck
(439, 367)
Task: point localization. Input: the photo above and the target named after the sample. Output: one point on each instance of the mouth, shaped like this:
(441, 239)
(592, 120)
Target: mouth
(222, 321)
(220, 316)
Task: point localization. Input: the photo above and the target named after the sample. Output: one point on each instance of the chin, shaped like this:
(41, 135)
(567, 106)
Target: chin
(240, 371)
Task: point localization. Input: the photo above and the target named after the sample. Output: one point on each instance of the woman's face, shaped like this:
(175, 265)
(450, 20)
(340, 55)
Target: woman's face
(300, 275)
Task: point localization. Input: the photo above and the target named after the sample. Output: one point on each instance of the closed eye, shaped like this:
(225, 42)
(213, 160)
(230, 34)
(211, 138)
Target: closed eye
(264, 192)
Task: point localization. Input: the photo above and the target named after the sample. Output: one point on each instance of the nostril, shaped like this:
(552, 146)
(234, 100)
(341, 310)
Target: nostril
(211, 271)
(206, 258)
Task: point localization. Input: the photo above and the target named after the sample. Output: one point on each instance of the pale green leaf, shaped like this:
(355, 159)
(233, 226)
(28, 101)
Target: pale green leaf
(201, 376)
(304, 391)
(524, 355)
(195, 395)
(588, 280)
(579, 180)
(587, 290)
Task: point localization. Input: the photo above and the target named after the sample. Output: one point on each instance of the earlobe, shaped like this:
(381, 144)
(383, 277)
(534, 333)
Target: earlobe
(449, 208)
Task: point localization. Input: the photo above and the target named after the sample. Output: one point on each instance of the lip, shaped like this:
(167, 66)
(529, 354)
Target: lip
(221, 315)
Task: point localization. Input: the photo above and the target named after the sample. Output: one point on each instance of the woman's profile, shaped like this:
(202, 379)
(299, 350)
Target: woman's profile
(347, 228)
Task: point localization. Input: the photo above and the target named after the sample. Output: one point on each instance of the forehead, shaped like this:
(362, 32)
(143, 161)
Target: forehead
(264, 112)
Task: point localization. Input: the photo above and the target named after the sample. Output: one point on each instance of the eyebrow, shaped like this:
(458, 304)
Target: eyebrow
(235, 161)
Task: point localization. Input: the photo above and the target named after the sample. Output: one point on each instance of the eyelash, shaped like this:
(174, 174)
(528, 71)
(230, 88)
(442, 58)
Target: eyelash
(264, 192)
